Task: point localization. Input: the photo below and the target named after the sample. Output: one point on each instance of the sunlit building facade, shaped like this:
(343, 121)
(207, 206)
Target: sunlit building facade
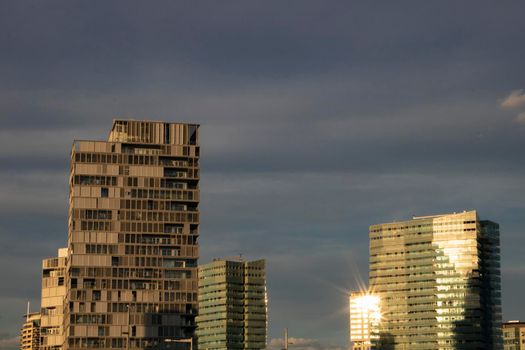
(131, 274)
(30, 332)
(232, 305)
(52, 301)
(514, 335)
(365, 315)
(438, 279)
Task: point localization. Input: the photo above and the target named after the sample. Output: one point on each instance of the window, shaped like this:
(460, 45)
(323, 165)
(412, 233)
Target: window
(156, 319)
(104, 192)
(192, 133)
(166, 133)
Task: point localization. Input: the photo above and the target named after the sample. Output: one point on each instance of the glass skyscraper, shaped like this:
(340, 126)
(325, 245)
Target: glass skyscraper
(438, 280)
(232, 305)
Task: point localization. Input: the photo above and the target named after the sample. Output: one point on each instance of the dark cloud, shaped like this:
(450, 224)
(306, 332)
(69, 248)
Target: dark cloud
(318, 119)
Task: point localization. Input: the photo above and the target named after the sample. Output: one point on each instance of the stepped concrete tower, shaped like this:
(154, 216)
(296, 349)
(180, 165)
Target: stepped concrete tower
(131, 275)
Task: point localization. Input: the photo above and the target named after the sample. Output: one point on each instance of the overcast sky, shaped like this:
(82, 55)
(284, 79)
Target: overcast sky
(318, 119)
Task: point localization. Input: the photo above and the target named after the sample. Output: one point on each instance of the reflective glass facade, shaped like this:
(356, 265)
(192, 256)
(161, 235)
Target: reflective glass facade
(438, 279)
(365, 316)
(232, 305)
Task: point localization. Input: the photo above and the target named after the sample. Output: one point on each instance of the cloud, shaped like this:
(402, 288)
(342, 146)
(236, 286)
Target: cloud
(9, 343)
(514, 100)
(302, 344)
(521, 118)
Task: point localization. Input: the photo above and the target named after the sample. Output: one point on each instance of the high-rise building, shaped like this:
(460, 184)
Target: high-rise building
(30, 332)
(514, 335)
(131, 274)
(438, 279)
(365, 315)
(232, 305)
(52, 301)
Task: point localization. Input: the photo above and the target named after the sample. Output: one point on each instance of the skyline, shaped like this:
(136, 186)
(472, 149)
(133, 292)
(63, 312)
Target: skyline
(324, 118)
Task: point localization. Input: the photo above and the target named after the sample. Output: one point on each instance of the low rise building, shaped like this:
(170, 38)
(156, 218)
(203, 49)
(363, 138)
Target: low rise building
(30, 332)
(514, 335)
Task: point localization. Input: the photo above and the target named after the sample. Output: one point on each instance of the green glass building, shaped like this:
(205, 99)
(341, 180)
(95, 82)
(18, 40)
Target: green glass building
(438, 279)
(232, 305)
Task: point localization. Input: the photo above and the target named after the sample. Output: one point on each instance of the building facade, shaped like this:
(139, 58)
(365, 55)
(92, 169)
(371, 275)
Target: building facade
(30, 332)
(52, 301)
(131, 274)
(438, 279)
(365, 315)
(232, 305)
(514, 335)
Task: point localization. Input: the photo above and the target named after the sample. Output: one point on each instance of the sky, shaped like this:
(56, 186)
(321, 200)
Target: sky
(318, 119)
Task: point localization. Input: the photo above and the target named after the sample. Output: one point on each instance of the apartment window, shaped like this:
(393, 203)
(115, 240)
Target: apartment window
(156, 319)
(166, 133)
(104, 192)
(192, 133)
(96, 295)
